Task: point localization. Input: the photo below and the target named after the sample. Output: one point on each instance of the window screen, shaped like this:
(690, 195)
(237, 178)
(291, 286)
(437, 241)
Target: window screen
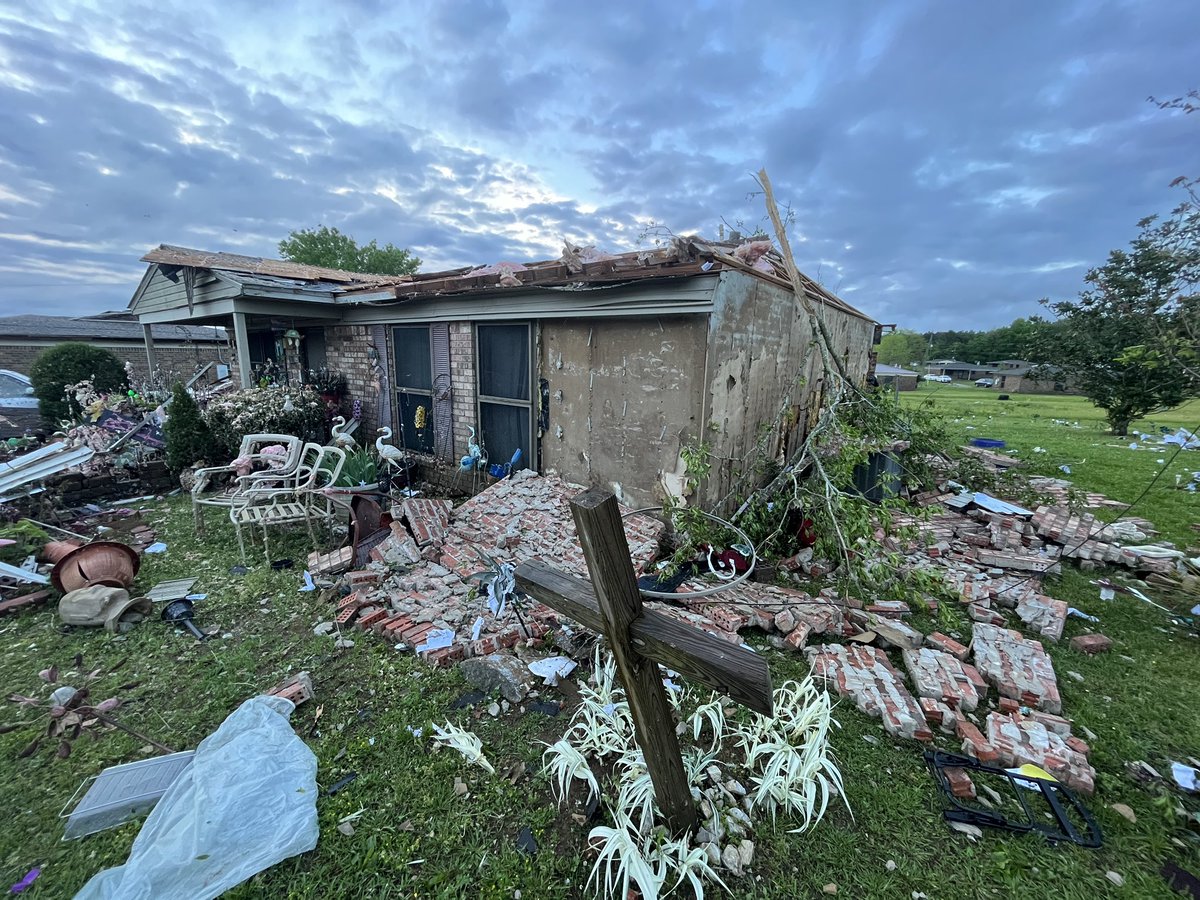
(504, 361)
(413, 367)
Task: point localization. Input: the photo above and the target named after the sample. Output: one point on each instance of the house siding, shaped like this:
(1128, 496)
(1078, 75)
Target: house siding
(625, 396)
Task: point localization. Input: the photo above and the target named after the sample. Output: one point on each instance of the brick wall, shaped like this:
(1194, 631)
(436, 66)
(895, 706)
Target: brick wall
(462, 384)
(175, 362)
(346, 351)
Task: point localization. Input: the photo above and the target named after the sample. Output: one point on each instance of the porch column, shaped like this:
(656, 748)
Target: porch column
(242, 340)
(151, 357)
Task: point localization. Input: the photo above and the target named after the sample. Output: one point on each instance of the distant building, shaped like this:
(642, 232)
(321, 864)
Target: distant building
(180, 350)
(900, 379)
(1011, 376)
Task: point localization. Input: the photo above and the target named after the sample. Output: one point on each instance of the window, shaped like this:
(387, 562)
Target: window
(414, 386)
(505, 387)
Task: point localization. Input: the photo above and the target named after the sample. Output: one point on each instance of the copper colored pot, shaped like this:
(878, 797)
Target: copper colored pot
(56, 550)
(101, 562)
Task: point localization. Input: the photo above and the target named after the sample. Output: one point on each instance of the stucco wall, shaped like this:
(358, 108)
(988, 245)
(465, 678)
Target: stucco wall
(625, 395)
(762, 362)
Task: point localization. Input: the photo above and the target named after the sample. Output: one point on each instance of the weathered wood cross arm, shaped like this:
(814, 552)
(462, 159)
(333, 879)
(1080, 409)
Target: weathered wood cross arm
(640, 639)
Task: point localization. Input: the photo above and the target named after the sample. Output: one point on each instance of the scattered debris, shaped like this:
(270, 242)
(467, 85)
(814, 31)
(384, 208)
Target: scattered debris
(248, 801)
(120, 793)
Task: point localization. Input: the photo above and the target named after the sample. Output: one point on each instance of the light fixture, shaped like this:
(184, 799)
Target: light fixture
(372, 354)
(291, 340)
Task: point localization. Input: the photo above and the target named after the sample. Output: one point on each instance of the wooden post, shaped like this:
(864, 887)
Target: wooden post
(602, 536)
(640, 639)
(241, 338)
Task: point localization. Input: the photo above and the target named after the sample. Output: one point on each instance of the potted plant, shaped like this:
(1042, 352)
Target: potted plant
(332, 386)
(359, 475)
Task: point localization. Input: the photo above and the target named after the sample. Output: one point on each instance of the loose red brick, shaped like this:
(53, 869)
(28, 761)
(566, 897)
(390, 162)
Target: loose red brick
(445, 657)
(1009, 705)
(974, 742)
(930, 707)
(961, 785)
(798, 636)
(1091, 644)
(939, 641)
(371, 618)
(1078, 746)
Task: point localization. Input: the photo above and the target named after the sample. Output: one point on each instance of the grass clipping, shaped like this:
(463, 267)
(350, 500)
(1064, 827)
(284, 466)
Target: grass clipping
(784, 761)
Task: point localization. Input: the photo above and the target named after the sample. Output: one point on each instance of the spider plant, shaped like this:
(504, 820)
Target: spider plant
(712, 713)
(566, 764)
(623, 862)
(691, 863)
(635, 797)
(466, 743)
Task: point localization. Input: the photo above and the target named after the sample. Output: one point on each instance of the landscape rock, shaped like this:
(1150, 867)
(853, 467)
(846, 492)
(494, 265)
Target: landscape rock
(498, 671)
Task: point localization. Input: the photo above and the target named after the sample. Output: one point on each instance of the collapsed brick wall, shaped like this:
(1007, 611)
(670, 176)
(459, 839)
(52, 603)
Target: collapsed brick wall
(74, 489)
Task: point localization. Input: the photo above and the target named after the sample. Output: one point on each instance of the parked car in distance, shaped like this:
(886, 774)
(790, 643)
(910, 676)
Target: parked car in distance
(985, 382)
(944, 379)
(16, 391)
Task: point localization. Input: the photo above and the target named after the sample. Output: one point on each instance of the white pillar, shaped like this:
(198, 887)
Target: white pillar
(151, 358)
(242, 338)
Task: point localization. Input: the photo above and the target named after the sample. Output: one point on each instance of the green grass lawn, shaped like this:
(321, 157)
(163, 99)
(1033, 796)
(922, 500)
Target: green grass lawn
(416, 838)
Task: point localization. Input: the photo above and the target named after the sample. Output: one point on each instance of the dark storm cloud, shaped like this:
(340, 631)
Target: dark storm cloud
(947, 164)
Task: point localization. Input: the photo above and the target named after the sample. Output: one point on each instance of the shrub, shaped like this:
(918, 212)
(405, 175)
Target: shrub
(264, 410)
(64, 365)
(189, 438)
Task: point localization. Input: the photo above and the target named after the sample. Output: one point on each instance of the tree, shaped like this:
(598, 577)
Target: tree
(189, 438)
(329, 248)
(68, 364)
(902, 348)
(1141, 298)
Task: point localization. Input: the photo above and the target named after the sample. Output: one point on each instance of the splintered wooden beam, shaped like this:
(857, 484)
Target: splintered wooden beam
(727, 668)
(640, 639)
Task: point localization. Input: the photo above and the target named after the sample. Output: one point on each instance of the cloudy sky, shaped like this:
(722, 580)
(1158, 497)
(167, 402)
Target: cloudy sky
(948, 163)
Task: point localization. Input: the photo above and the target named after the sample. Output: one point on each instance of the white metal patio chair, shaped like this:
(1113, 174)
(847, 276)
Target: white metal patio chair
(220, 485)
(303, 500)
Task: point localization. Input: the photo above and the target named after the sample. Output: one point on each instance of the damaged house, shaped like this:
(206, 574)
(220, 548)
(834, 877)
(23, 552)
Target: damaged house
(600, 368)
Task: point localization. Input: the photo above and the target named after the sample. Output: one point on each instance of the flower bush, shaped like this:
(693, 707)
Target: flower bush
(264, 410)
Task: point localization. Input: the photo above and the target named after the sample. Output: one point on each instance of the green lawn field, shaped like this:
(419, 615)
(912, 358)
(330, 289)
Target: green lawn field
(416, 837)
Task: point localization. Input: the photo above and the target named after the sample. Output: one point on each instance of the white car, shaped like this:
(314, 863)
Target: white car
(16, 391)
(943, 379)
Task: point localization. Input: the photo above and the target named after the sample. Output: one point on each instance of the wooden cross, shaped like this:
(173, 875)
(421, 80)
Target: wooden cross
(640, 639)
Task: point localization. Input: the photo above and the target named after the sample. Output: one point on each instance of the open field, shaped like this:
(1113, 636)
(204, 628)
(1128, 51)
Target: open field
(416, 838)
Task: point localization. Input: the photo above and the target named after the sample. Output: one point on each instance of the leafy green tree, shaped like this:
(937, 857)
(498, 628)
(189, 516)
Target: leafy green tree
(902, 348)
(67, 364)
(329, 248)
(189, 438)
(1118, 342)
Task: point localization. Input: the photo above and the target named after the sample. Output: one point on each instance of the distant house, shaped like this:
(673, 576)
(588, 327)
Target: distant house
(900, 379)
(1012, 376)
(602, 368)
(180, 350)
